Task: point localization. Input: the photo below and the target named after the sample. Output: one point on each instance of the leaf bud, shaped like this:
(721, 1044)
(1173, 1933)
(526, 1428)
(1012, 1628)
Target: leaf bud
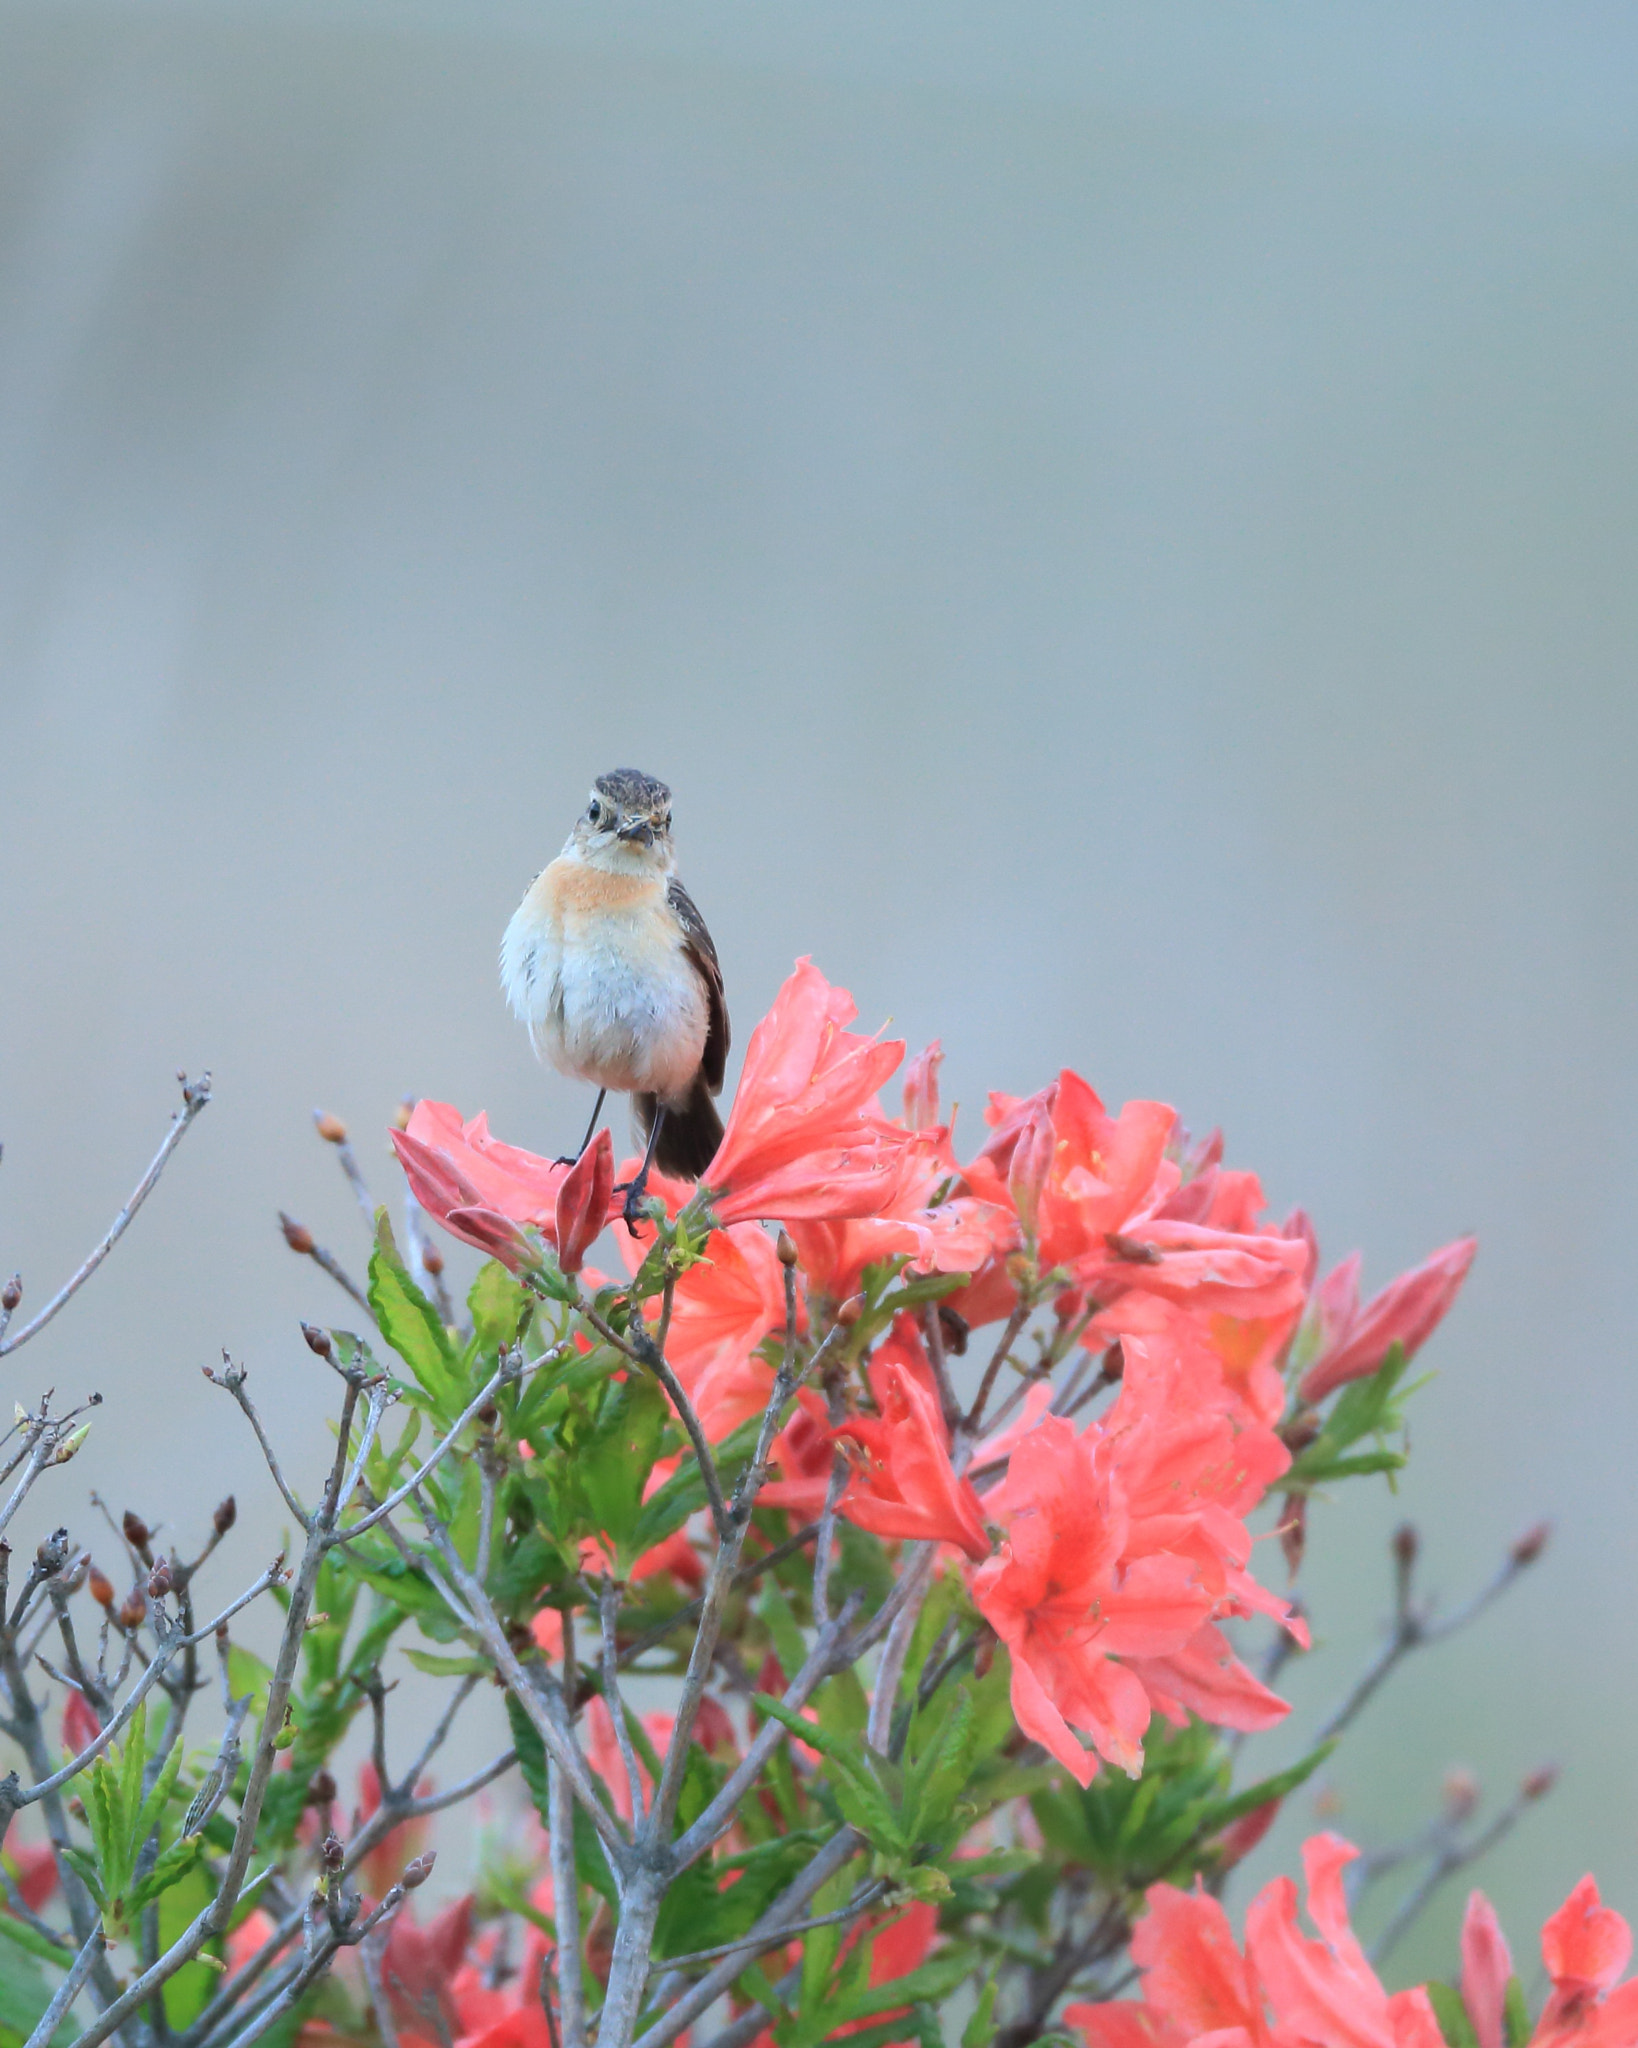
(1461, 1794)
(227, 1513)
(296, 1235)
(850, 1311)
(287, 1734)
(1531, 1544)
(159, 1581)
(137, 1535)
(787, 1249)
(418, 1871)
(1539, 1783)
(432, 1259)
(333, 1852)
(321, 1789)
(330, 1128)
(52, 1553)
(1406, 1542)
(318, 1341)
(102, 1589)
(488, 1415)
(133, 1611)
(12, 1293)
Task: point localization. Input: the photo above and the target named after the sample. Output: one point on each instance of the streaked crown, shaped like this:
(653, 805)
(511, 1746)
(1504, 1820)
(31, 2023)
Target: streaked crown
(627, 820)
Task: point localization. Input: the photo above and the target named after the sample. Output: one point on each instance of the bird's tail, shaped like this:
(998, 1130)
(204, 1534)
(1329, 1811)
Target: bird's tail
(690, 1135)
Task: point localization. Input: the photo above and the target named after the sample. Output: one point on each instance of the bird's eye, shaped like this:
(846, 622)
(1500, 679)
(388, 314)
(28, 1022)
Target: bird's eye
(594, 811)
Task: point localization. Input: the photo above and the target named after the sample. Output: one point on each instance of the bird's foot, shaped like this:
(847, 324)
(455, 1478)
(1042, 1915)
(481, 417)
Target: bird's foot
(635, 1192)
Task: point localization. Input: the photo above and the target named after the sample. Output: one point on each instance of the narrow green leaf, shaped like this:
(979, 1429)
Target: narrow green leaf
(170, 1867)
(447, 1667)
(1451, 2014)
(154, 1805)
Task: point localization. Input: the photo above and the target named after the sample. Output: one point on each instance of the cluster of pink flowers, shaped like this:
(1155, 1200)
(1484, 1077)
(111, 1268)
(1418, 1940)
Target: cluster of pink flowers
(1289, 1990)
(1104, 1554)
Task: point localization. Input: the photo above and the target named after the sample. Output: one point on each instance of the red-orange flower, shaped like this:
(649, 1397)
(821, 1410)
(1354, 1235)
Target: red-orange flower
(1063, 1599)
(1287, 1990)
(1407, 1312)
(803, 1139)
(1585, 1946)
(905, 1485)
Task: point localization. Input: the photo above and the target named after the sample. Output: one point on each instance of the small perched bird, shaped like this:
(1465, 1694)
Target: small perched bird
(611, 967)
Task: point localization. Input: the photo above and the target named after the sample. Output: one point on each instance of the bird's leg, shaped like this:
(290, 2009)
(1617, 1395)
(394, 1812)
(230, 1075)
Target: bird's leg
(602, 1097)
(636, 1189)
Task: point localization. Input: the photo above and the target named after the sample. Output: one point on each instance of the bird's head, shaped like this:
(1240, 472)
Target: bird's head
(626, 825)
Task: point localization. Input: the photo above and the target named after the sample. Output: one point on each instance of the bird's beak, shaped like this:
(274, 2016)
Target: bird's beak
(638, 833)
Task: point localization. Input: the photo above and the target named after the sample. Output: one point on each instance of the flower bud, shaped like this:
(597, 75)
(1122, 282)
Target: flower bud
(227, 1513)
(12, 1293)
(318, 1341)
(786, 1248)
(418, 1870)
(1293, 1530)
(296, 1235)
(402, 1114)
(1460, 1793)
(850, 1311)
(583, 1202)
(321, 1789)
(332, 1852)
(102, 1590)
(432, 1259)
(921, 1104)
(1113, 1369)
(1539, 1783)
(1406, 1543)
(137, 1535)
(1030, 1165)
(1136, 1251)
(330, 1128)
(1531, 1544)
(133, 1612)
(159, 1581)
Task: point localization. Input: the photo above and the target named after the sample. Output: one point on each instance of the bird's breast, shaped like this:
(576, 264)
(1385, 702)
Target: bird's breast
(594, 965)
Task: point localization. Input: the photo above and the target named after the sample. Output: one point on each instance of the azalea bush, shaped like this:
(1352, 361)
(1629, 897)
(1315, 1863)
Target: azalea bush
(948, 1515)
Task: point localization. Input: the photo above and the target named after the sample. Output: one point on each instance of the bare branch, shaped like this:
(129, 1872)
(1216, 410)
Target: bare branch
(300, 1239)
(69, 1989)
(195, 1094)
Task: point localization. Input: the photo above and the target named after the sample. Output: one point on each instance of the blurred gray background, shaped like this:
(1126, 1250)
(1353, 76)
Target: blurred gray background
(1119, 530)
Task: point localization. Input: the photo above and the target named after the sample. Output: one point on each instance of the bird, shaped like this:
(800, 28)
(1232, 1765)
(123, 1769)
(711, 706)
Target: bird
(610, 965)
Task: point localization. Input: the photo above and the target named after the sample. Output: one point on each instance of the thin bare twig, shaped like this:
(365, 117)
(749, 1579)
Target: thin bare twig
(301, 1239)
(69, 1989)
(195, 1095)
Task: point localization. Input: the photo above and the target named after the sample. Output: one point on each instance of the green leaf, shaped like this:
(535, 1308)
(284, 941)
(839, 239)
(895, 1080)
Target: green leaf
(1451, 2014)
(1516, 2015)
(24, 1937)
(170, 1866)
(979, 2031)
(448, 1667)
(933, 1981)
(497, 1304)
(411, 1324)
(248, 1674)
(188, 1992)
(856, 1780)
(1223, 1812)
(154, 1805)
(87, 1870)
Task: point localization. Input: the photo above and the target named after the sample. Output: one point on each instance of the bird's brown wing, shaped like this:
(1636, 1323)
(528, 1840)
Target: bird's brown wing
(699, 948)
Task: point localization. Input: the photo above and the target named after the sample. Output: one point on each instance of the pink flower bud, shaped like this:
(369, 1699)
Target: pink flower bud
(921, 1111)
(1407, 1312)
(583, 1202)
(1030, 1164)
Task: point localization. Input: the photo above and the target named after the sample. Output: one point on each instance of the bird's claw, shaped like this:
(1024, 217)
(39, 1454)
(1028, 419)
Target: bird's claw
(632, 1210)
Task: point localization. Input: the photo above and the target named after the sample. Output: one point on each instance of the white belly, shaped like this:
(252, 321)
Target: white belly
(614, 1000)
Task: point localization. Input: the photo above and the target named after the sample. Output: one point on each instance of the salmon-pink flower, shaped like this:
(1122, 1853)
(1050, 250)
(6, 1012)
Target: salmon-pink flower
(1407, 1312)
(921, 1111)
(34, 1867)
(803, 1140)
(803, 1453)
(1586, 1945)
(1103, 1169)
(1286, 1989)
(583, 1199)
(1066, 1604)
(486, 1193)
(905, 1485)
